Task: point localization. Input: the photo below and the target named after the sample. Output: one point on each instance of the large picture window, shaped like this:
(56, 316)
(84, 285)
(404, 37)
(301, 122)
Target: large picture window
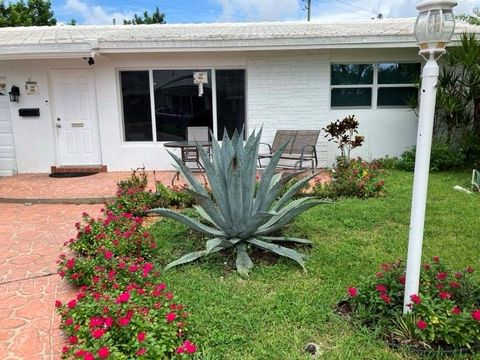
(159, 105)
(373, 85)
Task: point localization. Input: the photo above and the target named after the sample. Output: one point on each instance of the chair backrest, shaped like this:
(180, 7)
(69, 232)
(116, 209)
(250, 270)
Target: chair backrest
(281, 137)
(197, 133)
(304, 138)
(476, 180)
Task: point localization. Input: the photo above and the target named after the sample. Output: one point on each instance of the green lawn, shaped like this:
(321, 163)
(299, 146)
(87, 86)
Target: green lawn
(279, 309)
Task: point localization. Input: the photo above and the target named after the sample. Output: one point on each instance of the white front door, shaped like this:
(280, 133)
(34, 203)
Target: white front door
(75, 117)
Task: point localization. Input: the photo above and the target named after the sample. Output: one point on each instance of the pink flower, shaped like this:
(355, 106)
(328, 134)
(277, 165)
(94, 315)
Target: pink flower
(456, 310)
(141, 336)
(73, 340)
(385, 298)
(96, 322)
(189, 347)
(108, 254)
(352, 292)
(476, 315)
(58, 303)
(442, 276)
(455, 285)
(98, 333)
(88, 356)
(123, 298)
(416, 299)
(69, 321)
(445, 295)
(70, 263)
(169, 296)
(141, 351)
(381, 288)
(103, 353)
(421, 324)
(108, 322)
(170, 317)
(402, 279)
(72, 304)
(96, 279)
(180, 350)
(123, 321)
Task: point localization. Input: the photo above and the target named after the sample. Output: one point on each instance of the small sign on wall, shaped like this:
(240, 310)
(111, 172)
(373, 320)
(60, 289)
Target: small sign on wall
(200, 78)
(31, 87)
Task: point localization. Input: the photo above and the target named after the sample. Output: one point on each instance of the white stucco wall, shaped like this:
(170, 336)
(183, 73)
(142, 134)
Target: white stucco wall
(289, 90)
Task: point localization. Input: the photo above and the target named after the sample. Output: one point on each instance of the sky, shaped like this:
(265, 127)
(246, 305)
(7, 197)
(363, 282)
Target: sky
(87, 12)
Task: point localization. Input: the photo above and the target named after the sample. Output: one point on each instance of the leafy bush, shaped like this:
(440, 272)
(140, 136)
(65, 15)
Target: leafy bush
(138, 180)
(242, 213)
(344, 134)
(445, 314)
(124, 320)
(353, 178)
(175, 196)
(443, 157)
(471, 151)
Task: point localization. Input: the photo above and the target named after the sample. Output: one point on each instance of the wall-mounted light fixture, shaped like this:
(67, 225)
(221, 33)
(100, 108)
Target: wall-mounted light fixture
(89, 60)
(14, 93)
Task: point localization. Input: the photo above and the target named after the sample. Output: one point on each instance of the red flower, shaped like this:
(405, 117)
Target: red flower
(65, 349)
(72, 304)
(69, 321)
(352, 292)
(381, 288)
(141, 336)
(96, 279)
(169, 296)
(141, 351)
(180, 350)
(456, 310)
(98, 333)
(385, 298)
(402, 279)
(124, 321)
(96, 322)
(416, 299)
(123, 298)
(189, 347)
(458, 275)
(469, 269)
(108, 254)
(70, 263)
(436, 259)
(81, 295)
(103, 353)
(445, 295)
(476, 315)
(421, 324)
(73, 340)
(426, 266)
(455, 285)
(58, 303)
(108, 322)
(170, 317)
(442, 276)
(379, 274)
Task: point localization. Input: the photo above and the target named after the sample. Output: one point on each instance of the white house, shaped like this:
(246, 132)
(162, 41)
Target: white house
(112, 95)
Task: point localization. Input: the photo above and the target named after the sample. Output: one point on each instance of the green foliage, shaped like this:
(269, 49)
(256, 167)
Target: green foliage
(174, 197)
(344, 133)
(445, 313)
(470, 149)
(355, 177)
(241, 213)
(471, 19)
(157, 17)
(443, 157)
(32, 13)
(138, 180)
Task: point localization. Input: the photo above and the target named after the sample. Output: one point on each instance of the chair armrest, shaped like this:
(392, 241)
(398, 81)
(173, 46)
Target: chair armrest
(269, 147)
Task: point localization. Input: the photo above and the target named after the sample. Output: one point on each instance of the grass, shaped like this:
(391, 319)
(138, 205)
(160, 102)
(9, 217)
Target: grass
(279, 309)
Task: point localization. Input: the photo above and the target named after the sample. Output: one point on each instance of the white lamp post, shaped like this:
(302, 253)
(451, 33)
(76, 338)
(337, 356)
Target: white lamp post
(433, 30)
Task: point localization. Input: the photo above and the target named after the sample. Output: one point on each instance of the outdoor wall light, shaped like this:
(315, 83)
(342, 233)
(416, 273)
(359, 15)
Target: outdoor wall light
(433, 30)
(14, 94)
(89, 60)
(434, 27)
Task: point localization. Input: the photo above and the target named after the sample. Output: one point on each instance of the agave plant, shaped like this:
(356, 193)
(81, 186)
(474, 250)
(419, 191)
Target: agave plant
(241, 213)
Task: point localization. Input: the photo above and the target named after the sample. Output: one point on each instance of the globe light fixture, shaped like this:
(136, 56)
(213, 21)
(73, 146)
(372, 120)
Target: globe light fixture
(433, 30)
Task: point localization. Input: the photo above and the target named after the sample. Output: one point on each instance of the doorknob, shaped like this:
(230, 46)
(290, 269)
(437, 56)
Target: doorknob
(59, 125)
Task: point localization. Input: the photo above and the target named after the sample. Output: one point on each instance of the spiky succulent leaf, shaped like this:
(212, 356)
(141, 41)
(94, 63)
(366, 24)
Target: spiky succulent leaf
(285, 239)
(243, 262)
(186, 259)
(294, 189)
(280, 250)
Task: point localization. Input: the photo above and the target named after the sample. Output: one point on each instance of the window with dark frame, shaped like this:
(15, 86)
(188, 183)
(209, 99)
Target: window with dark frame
(353, 85)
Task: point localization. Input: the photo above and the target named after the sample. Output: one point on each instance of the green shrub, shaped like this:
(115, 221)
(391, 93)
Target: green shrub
(241, 213)
(445, 314)
(138, 180)
(175, 196)
(353, 178)
(471, 151)
(443, 157)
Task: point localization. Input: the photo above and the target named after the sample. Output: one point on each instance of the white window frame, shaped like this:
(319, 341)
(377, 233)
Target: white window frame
(375, 86)
(150, 70)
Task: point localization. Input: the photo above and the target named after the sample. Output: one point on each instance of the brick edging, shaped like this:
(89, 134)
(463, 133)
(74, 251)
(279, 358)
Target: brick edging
(59, 201)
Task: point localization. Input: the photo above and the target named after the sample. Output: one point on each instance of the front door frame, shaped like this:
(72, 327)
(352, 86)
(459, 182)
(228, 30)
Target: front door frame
(53, 110)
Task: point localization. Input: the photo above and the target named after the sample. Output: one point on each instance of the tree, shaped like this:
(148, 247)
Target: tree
(157, 17)
(32, 13)
(471, 19)
(72, 22)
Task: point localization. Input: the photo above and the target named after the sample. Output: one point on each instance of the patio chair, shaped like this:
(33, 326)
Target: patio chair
(281, 137)
(195, 133)
(476, 180)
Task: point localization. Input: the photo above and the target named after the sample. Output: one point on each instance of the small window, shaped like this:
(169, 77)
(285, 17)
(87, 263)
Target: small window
(358, 97)
(396, 96)
(352, 74)
(137, 116)
(391, 74)
(398, 73)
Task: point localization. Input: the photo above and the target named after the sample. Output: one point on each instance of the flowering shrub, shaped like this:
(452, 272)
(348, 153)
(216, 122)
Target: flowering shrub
(445, 314)
(124, 318)
(353, 178)
(174, 196)
(135, 201)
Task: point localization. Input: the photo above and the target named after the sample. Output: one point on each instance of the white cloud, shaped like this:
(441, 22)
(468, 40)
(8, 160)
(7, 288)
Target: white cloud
(87, 14)
(250, 10)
